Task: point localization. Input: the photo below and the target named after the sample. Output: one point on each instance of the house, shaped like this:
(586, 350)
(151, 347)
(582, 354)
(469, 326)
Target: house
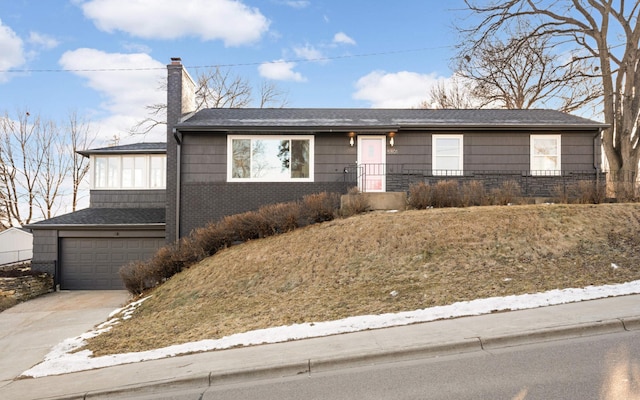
(125, 220)
(16, 245)
(226, 161)
(221, 162)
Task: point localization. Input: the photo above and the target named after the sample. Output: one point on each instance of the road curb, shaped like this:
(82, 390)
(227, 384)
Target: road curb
(554, 333)
(394, 355)
(195, 381)
(314, 366)
(631, 323)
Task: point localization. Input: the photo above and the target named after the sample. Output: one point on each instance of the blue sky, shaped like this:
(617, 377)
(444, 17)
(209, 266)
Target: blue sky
(105, 59)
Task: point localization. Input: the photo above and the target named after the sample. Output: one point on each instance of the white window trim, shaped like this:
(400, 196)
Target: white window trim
(230, 139)
(146, 177)
(439, 171)
(538, 172)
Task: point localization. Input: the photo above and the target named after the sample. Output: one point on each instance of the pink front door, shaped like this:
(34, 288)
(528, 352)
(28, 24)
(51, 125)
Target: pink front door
(371, 160)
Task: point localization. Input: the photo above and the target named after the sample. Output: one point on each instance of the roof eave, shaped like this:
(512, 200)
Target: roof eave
(87, 153)
(153, 226)
(286, 128)
(387, 128)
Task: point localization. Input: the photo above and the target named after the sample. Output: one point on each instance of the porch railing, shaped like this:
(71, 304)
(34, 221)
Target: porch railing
(400, 177)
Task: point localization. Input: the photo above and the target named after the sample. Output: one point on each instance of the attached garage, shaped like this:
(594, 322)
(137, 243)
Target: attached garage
(93, 263)
(84, 250)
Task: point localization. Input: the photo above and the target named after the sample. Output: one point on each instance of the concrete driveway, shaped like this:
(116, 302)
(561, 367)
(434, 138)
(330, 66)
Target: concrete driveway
(30, 329)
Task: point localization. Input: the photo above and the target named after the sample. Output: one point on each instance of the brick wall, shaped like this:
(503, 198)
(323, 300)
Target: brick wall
(530, 186)
(206, 202)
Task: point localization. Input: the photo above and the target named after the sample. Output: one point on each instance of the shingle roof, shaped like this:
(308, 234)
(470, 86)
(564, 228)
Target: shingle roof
(354, 118)
(145, 148)
(105, 217)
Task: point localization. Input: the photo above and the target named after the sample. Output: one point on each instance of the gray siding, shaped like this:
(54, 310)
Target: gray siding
(204, 158)
(45, 251)
(332, 155)
(45, 245)
(496, 152)
(578, 152)
(412, 149)
(128, 199)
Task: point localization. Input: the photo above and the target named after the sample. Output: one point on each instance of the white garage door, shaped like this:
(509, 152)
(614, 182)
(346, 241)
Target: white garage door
(93, 263)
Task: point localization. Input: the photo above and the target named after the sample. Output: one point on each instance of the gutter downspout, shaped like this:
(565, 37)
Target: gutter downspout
(597, 149)
(597, 163)
(178, 136)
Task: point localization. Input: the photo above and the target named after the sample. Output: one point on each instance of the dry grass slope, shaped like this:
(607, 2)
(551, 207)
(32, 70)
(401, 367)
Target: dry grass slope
(350, 266)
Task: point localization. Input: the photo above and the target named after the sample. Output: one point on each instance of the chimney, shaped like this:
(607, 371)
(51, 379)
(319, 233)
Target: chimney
(180, 93)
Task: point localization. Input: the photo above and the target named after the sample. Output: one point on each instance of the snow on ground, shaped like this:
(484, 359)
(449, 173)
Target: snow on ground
(61, 358)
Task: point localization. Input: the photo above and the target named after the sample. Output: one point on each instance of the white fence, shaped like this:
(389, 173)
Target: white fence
(15, 256)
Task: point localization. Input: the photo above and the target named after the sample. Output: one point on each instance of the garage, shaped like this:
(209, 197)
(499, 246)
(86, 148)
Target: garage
(93, 263)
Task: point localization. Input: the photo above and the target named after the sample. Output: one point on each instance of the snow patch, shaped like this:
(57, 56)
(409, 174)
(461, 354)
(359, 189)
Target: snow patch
(62, 359)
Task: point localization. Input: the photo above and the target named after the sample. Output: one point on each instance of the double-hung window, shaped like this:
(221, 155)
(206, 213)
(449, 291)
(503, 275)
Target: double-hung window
(447, 157)
(545, 155)
(261, 158)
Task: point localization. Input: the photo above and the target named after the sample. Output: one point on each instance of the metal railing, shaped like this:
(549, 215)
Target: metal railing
(400, 177)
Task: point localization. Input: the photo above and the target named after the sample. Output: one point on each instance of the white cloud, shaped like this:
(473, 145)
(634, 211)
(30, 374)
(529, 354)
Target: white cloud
(42, 40)
(308, 52)
(296, 3)
(394, 90)
(127, 82)
(228, 20)
(343, 38)
(11, 49)
(136, 47)
(281, 71)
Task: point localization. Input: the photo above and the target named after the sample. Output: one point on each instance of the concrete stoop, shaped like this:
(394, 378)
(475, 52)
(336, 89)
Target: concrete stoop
(376, 201)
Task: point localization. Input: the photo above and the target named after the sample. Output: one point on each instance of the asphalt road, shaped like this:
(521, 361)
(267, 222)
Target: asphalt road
(597, 367)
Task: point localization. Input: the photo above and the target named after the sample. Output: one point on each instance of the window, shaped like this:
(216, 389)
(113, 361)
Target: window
(545, 155)
(129, 172)
(270, 158)
(133, 172)
(447, 154)
(158, 172)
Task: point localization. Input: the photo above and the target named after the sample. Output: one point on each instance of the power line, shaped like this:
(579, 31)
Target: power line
(294, 60)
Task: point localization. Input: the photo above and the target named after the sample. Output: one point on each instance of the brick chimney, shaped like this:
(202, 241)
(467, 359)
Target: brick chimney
(180, 93)
(180, 101)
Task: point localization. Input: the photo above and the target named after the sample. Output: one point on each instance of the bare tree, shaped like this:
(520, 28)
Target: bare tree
(217, 88)
(80, 137)
(451, 94)
(54, 168)
(520, 71)
(604, 34)
(39, 166)
(272, 95)
(21, 161)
